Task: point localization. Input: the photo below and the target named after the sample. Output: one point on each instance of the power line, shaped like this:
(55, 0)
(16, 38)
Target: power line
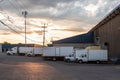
(19, 11)
(8, 27)
(17, 2)
(8, 18)
(1, 0)
(21, 4)
(16, 31)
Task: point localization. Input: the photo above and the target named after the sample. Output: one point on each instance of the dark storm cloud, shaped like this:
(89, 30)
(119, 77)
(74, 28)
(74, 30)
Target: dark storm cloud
(59, 9)
(71, 10)
(66, 9)
(46, 3)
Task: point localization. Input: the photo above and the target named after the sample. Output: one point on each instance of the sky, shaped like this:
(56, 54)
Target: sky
(62, 18)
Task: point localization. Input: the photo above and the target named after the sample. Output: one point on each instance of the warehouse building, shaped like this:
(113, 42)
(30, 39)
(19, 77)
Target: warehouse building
(0, 48)
(107, 33)
(79, 41)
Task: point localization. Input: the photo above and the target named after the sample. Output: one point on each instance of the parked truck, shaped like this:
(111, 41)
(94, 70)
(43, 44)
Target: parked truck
(13, 51)
(87, 55)
(56, 53)
(35, 52)
(25, 50)
(28, 51)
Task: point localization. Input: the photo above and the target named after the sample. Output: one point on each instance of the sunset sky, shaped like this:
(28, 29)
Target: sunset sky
(63, 18)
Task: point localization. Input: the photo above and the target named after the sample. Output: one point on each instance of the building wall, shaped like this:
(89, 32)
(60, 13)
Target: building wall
(108, 36)
(0, 48)
(6, 47)
(75, 45)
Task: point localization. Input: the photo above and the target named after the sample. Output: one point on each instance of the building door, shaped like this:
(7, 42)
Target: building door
(97, 39)
(107, 46)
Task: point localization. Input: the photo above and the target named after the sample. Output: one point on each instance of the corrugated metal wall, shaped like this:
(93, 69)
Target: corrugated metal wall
(109, 36)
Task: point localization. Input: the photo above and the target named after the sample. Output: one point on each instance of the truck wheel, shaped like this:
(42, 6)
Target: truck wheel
(13, 53)
(54, 59)
(29, 55)
(80, 61)
(97, 61)
(68, 60)
(8, 54)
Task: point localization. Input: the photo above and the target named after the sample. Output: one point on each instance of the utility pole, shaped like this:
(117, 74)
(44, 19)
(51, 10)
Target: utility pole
(44, 34)
(25, 15)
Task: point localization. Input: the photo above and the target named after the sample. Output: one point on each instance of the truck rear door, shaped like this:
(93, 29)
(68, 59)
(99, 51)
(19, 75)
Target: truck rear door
(57, 51)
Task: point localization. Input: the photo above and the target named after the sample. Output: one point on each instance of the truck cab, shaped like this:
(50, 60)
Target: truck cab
(70, 58)
(82, 57)
(30, 53)
(13, 51)
(91, 53)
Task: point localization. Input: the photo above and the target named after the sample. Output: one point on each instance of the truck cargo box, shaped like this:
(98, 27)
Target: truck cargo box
(57, 52)
(100, 55)
(38, 51)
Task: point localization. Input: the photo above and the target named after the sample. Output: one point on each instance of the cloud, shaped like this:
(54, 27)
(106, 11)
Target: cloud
(4, 32)
(64, 15)
(70, 30)
(78, 10)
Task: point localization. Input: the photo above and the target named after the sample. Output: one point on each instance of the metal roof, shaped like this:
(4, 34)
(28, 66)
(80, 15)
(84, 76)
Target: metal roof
(83, 38)
(16, 45)
(8, 46)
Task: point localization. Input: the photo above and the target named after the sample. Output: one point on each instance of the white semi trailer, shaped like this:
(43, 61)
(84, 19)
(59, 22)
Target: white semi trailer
(56, 53)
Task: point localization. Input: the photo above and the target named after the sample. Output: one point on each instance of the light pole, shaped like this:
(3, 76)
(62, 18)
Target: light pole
(44, 30)
(44, 35)
(25, 15)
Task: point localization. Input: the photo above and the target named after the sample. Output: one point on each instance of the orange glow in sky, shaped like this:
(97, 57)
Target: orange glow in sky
(63, 18)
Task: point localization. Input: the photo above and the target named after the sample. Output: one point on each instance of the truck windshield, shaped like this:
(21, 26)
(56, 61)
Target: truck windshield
(71, 55)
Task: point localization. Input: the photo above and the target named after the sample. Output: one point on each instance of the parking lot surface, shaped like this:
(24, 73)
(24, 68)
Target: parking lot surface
(35, 68)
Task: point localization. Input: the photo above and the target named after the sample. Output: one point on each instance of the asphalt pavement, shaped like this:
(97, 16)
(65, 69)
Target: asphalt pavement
(35, 68)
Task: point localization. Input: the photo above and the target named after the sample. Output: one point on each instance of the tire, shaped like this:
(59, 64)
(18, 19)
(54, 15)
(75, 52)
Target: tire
(29, 55)
(68, 60)
(54, 59)
(8, 54)
(98, 62)
(13, 53)
(80, 61)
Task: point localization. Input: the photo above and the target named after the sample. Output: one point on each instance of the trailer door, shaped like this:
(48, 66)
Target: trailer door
(57, 51)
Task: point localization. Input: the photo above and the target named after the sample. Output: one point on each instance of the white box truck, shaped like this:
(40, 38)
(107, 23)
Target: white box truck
(56, 53)
(91, 55)
(28, 51)
(88, 55)
(35, 52)
(25, 50)
(20, 50)
(13, 51)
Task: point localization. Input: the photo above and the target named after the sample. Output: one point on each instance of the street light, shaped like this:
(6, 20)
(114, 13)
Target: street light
(25, 15)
